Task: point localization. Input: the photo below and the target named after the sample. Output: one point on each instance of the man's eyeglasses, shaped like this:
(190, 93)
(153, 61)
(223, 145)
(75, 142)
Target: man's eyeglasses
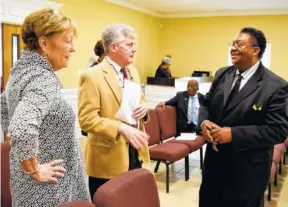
(130, 46)
(240, 46)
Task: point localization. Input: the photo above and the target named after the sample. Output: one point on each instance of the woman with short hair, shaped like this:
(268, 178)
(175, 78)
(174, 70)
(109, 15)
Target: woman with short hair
(45, 160)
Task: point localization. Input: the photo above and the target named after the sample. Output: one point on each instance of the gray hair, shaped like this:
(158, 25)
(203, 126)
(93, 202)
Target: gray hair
(166, 60)
(115, 33)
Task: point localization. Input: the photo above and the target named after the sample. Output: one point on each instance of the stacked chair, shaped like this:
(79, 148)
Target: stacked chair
(131, 189)
(167, 121)
(5, 175)
(78, 204)
(167, 153)
(280, 151)
(162, 145)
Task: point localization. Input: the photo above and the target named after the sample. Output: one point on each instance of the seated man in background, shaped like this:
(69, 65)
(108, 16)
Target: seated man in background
(163, 70)
(187, 105)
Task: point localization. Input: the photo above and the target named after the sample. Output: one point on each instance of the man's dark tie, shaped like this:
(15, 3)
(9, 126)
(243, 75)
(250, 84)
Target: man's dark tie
(235, 89)
(125, 73)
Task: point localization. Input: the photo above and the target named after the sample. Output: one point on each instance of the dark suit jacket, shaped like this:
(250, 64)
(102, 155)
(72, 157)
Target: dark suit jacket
(241, 169)
(162, 73)
(180, 101)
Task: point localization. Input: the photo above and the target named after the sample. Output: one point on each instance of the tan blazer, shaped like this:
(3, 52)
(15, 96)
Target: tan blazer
(99, 98)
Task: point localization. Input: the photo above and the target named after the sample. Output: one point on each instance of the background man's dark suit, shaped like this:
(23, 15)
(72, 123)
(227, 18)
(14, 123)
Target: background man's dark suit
(241, 168)
(180, 101)
(162, 73)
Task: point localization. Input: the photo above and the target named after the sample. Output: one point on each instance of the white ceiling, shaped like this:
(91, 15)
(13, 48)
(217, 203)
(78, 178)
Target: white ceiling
(190, 8)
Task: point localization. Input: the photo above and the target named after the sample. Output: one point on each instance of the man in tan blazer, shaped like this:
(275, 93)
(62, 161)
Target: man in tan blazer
(113, 147)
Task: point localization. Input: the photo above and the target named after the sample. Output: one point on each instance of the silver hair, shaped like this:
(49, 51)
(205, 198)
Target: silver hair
(115, 33)
(166, 60)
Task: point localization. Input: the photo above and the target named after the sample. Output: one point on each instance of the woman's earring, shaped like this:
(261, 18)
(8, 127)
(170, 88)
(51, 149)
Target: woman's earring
(45, 54)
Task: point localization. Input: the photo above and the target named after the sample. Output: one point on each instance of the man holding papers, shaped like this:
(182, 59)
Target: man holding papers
(116, 138)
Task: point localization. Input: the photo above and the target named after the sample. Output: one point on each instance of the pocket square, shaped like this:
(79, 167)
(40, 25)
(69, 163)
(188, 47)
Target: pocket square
(255, 108)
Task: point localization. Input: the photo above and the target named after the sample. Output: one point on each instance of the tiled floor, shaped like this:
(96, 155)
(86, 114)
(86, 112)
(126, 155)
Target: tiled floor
(185, 193)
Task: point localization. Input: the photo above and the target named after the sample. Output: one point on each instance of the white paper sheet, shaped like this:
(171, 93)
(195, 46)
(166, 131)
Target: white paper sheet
(187, 136)
(130, 100)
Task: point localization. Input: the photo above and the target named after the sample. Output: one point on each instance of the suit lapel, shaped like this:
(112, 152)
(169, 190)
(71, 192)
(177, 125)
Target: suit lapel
(199, 98)
(248, 88)
(227, 84)
(186, 99)
(110, 78)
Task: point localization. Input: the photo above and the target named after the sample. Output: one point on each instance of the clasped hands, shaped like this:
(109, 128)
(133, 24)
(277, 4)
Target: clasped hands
(217, 134)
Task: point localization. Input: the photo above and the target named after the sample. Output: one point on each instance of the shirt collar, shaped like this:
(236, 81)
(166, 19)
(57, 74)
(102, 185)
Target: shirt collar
(249, 71)
(115, 65)
(194, 96)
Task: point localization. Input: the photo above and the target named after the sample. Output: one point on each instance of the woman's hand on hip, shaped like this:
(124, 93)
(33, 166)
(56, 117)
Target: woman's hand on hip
(49, 172)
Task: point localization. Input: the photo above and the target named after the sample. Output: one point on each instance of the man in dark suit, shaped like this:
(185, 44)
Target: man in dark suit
(246, 108)
(187, 105)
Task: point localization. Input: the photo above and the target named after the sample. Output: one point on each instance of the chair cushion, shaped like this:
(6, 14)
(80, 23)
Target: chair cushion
(5, 175)
(192, 144)
(152, 128)
(272, 172)
(167, 121)
(169, 151)
(135, 188)
(78, 203)
(276, 156)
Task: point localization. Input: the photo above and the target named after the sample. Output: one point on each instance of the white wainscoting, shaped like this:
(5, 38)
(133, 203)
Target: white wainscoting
(155, 94)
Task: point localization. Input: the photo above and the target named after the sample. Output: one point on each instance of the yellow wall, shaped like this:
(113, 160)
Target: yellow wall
(202, 43)
(194, 43)
(92, 16)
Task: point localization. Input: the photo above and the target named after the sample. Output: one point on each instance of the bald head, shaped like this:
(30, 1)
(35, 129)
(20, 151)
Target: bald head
(192, 87)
